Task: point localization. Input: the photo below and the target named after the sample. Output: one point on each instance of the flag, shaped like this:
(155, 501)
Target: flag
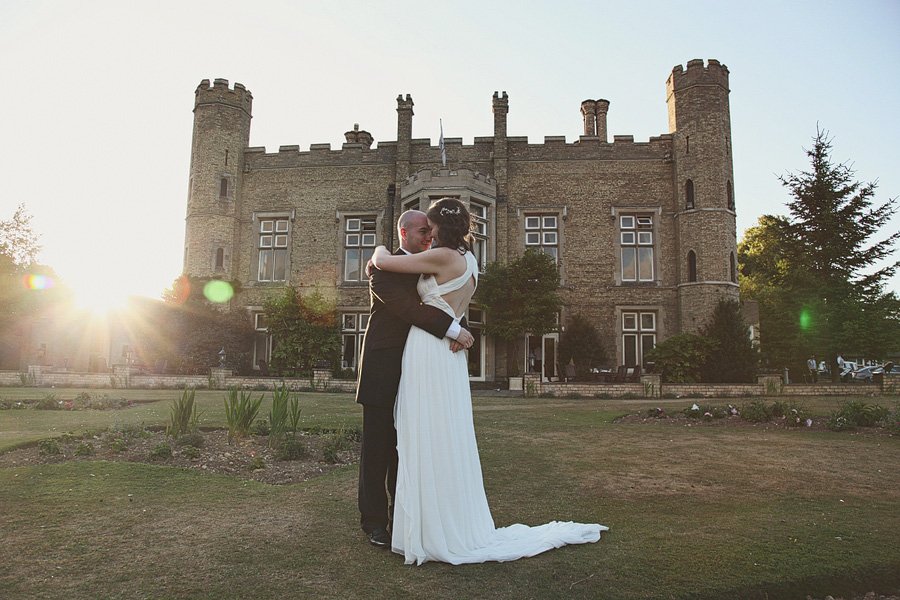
(441, 145)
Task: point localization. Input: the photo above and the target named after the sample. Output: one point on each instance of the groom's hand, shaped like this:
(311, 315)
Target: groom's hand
(370, 266)
(463, 341)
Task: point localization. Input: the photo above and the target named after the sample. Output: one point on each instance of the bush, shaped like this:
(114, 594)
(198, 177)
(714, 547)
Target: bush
(192, 440)
(117, 444)
(49, 402)
(859, 414)
(680, 358)
(191, 452)
(49, 447)
(261, 427)
(161, 451)
(84, 449)
(257, 463)
(756, 412)
(292, 449)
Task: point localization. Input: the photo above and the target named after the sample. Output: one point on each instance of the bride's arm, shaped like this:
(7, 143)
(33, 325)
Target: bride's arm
(429, 261)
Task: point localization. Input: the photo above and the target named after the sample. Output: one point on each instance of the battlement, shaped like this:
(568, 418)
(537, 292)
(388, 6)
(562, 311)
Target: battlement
(220, 93)
(714, 73)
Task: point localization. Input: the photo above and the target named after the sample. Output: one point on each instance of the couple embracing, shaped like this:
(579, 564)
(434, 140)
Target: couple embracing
(421, 491)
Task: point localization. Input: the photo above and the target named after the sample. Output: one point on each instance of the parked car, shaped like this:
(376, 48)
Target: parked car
(866, 374)
(847, 370)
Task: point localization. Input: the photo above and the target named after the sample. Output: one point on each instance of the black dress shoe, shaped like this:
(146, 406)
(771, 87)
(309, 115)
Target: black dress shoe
(380, 537)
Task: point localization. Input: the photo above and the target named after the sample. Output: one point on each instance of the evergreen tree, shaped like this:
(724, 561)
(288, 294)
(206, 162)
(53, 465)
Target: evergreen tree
(731, 357)
(816, 274)
(520, 297)
(580, 343)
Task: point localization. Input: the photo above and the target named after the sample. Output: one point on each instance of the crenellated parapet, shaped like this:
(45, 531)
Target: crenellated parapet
(713, 73)
(219, 93)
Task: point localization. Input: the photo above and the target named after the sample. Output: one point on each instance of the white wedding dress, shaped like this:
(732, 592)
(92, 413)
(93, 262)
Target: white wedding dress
(441, 511)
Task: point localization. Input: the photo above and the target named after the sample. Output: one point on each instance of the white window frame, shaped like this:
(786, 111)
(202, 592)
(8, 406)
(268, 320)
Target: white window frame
(542, 232)
(359, 236)
(636, 239)
(273, 240)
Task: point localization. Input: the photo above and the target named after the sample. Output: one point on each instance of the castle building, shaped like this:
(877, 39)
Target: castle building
(643, 233)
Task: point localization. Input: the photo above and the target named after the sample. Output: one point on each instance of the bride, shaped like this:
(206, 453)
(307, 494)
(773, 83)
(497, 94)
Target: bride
(441, 511)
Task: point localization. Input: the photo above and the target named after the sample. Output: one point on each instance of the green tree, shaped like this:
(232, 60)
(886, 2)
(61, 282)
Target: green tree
(305, 332)
(818, 275)
(520, 297)
(731, 358)
(680, 358)
(580, 343)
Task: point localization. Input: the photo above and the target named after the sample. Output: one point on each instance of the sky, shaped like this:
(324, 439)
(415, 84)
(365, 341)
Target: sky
(98, 96)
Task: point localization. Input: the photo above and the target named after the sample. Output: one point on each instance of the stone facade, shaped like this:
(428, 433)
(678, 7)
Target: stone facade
(644, 232)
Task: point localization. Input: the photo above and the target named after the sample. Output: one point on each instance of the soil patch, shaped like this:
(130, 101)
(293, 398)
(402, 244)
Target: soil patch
(248, 458)
(679, 419)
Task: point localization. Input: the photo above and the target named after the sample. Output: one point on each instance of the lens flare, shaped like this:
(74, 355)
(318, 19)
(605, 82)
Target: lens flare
(218, 291)
(805, 318)
(38, 282)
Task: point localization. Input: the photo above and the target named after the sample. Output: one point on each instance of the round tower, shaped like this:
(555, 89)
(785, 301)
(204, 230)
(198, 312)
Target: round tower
(221, 133)
(700, 121)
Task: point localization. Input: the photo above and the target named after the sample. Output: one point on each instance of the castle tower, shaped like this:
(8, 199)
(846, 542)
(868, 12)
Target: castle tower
(700, 121)
(221, 133)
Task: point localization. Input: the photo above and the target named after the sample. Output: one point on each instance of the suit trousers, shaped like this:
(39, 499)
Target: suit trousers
(377, 467)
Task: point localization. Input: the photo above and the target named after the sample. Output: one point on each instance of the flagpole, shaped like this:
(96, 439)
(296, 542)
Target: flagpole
(441, 145)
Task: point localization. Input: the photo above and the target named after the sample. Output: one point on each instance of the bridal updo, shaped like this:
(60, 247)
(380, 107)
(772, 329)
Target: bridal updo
(454, 225)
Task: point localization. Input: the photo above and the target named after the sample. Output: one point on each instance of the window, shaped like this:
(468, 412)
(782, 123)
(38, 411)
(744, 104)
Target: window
(359, 245)
(689, 194)
(223, 188)
(353, 329)
(732, 269)
(692, 266)
(220, 259)
(636, 239)
(638, 336)
(480, 231)
(542, 234)
(273, 243)
(729, 194)
(475, 318)
(262, 343)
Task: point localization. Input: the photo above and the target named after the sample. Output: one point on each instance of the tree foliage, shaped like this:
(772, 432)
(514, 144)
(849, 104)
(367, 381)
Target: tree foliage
(520, 297)
(305, 332)
(18, 240)
(580, 343)
(819, 275)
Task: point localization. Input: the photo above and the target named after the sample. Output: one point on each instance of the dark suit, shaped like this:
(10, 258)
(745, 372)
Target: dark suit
(395, 305)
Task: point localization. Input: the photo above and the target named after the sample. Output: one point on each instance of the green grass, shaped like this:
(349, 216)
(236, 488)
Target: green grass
(699, 512)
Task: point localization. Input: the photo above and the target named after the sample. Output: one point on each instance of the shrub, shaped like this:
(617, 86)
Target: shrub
(838, 422)
(191, 452)
(680, 358)
(860, 414)
(49, 447)
(84, 449)
(192, 440)
(48, 402)
(257, 463)
(240, 411)
(756, 412)
(161, 451)
(117, 444)
(261, 427)
(292, 449)
(183, 417)
(335, 443)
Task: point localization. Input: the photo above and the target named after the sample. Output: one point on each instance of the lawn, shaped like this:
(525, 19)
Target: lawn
(694, 512)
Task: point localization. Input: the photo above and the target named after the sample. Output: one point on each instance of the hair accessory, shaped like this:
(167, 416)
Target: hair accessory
(449, 211)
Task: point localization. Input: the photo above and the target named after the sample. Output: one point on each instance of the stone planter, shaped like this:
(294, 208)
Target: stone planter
(515, 384)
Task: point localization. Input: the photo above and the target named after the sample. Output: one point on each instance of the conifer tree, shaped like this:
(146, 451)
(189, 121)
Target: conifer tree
(731, 357)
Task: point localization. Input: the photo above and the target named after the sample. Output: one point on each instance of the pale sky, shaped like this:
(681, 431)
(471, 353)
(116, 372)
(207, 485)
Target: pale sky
(97, 96)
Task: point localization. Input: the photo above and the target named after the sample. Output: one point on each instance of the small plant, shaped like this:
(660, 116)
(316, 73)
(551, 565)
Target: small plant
(161, 451)
(756, 412)
(183, 417)
(190, 452)
(838, 422)
(257, 463)
(68, 438)
(530, 389)
(49, 447)
(49, 402)
(84, 449)
(860, 414)
(117, 444)
(292, 449)
(335, 443)
(261, 427)
(656, 413)
(279, 413)
(574, 395)
(240, 411)
(547, 394)
(192, 440)
(82, 400)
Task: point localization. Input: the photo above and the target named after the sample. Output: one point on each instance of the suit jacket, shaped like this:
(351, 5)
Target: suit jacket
(394, 306)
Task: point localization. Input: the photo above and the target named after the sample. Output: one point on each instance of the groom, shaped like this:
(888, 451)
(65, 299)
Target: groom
(394, 306)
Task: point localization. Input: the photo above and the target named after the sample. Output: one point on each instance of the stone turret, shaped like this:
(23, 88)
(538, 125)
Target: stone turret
(221, 133)
(700, 122)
